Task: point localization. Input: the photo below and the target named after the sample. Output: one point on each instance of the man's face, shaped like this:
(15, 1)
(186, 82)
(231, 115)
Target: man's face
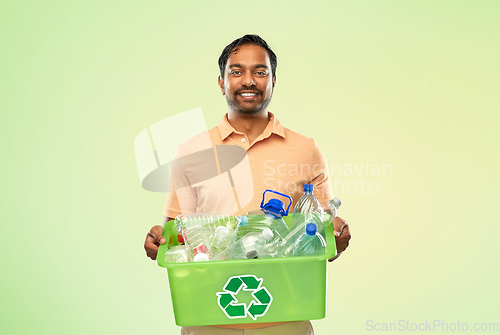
(248, 82)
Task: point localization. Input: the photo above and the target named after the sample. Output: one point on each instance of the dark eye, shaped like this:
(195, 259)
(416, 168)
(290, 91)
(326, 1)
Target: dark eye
(261, 73)
(235, 72)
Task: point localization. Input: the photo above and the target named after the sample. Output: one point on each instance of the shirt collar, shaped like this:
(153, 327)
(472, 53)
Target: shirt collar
(274, 126)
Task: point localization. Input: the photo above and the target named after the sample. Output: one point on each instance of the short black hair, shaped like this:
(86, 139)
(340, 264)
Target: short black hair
(247, 39)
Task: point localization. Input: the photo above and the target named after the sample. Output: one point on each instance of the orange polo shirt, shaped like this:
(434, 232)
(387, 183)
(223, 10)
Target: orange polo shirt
(219, 171)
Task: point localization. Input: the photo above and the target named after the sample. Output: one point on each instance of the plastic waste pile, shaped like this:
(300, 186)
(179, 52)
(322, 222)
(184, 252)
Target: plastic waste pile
(258, 234)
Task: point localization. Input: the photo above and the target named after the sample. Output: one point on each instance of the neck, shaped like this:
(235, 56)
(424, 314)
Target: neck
(250, 124)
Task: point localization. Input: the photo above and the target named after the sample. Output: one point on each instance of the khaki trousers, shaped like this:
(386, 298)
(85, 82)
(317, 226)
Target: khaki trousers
(290, 328)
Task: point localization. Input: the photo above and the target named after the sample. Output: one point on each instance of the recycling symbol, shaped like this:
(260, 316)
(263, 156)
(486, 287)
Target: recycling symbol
(233, 309)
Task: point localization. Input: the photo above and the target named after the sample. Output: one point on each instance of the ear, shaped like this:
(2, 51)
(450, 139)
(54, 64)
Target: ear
(274, 81)
(221, 85)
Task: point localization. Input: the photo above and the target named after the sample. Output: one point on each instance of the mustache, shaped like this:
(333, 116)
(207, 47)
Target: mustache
(247, 88)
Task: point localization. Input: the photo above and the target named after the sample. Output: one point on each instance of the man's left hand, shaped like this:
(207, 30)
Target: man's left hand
(342, 235)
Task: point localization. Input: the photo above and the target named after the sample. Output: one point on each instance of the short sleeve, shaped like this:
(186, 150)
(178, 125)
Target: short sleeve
(321, 177)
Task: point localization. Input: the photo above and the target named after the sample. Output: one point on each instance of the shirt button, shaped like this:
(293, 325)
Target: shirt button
(243, 140)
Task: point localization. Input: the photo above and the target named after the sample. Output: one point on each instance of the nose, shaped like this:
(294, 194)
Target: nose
(248, 79)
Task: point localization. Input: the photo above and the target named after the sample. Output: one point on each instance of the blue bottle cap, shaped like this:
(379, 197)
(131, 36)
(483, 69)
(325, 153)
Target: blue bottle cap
(311, 229)
(308, 187)
(244, 221)
(275, 208)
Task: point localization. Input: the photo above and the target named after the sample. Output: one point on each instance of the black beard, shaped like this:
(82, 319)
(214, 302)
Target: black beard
(239, 109)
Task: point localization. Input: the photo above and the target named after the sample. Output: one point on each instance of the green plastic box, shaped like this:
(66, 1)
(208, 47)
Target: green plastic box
(247, 291)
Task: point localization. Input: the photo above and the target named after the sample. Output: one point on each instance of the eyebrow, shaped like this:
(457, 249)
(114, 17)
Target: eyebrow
(256, 66)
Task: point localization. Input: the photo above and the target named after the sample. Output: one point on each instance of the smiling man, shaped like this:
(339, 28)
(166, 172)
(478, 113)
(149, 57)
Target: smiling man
(279, 159)
(247, 80)
(249, 83)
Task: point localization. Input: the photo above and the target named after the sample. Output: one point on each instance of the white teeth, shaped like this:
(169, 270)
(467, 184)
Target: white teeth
(248, 94)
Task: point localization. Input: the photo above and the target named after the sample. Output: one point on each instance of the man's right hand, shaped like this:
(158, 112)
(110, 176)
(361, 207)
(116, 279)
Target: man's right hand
(153, 240)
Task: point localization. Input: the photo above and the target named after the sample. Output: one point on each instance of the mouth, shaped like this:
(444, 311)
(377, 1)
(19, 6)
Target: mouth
(248, 95)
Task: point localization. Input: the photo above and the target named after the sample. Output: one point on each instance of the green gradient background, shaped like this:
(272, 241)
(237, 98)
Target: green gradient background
(413, 84)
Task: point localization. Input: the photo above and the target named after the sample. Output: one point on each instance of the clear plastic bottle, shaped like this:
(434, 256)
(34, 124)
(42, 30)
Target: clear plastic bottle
(299, 225)
(258, 220)
(307, 210)
(270, 250)
(219, 241)
(297, 229)
(307, 204)
(271, 215)
(311, 243)
(194, 239)
(176, 254)
(209, 222)
(249, 246)
(243, 229)
(334, 205)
